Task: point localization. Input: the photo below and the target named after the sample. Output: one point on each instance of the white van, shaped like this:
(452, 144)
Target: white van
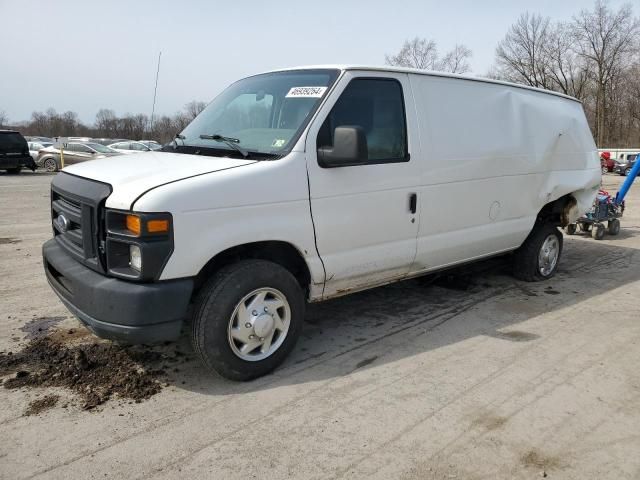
(301, 185)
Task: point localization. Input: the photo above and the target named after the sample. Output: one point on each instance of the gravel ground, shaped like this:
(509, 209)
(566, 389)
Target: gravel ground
(467, 378)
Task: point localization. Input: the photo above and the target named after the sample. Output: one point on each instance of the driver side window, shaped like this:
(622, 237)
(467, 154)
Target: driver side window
(377, 106)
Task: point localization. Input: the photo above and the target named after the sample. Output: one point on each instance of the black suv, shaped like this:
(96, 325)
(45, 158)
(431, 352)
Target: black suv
(14, 152)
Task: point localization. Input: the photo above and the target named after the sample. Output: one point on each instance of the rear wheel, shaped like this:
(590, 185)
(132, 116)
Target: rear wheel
(604, 170)
(585, 227)
(571, 229)
(50, 165)
(537, 258)
(247, 319)
(14, 170)
(598, 231)
(614, 226)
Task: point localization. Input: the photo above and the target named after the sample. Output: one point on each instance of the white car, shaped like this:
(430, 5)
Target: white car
(152, 144)
(35, 147)
(130, 147)
(302, 185)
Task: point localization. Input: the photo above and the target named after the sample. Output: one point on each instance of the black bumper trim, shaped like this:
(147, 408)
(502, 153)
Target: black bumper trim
(116, 309)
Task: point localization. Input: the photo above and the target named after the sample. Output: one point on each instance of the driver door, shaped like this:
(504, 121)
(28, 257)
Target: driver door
(365, 216)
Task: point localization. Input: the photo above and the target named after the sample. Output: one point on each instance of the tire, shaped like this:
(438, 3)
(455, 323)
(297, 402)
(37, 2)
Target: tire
(605, 170)
(598, 231)
(14, 171)
(50, 164)
(613, 227)
(627, 171)
(530, 262)
(585, 227)
(218, 313)
(571, 229)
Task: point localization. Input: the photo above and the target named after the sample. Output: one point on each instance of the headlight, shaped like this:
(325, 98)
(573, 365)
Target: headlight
(135, 257)
(138, 245)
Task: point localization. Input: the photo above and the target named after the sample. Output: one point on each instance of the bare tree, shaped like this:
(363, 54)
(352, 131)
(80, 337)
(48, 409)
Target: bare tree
(567, 70)
(106, 123)
(606, 40)
(522, 55)
(193, 108)
(416, 53)
(457, 60)
(4, 119)
(422, 53)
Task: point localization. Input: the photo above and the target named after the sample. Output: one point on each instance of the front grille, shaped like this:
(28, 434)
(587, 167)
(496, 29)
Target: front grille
(76, 217)
(70, 231)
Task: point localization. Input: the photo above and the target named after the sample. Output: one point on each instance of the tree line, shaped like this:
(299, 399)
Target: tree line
(594, 56)
(109, 125)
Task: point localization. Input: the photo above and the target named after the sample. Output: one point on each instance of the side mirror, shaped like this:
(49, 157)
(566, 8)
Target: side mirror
(349, 148)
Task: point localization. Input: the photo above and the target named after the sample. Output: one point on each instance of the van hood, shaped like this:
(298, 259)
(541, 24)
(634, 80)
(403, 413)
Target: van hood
(130, 176)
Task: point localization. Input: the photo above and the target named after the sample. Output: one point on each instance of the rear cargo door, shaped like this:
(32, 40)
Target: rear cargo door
(364, 216)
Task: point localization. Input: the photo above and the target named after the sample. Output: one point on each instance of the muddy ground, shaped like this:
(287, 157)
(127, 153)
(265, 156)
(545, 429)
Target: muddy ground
(471, 376)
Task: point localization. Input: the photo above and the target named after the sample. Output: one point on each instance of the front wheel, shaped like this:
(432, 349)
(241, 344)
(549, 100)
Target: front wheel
(247, 319)
(627, 171)
(50, 165)
(537, 258)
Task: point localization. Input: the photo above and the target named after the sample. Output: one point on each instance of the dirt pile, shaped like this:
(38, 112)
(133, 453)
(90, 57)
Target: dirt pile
(41, 404)
(96, 371)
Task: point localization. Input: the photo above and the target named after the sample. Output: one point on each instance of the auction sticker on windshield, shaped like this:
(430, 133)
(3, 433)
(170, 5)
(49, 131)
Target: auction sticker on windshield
(306, 92)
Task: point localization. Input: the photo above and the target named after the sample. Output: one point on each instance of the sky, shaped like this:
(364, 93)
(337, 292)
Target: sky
(83, 55)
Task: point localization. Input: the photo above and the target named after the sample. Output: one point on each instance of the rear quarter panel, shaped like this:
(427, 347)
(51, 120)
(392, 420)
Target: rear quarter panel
(494, 155)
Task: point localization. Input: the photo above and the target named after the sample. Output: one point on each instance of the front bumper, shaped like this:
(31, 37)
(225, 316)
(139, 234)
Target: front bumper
(117, 309)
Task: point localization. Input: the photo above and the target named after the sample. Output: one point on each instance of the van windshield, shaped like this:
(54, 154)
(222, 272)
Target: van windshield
(262, 114)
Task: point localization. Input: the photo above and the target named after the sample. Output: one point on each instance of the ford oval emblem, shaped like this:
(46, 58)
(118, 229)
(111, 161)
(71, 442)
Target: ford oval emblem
(63, 222)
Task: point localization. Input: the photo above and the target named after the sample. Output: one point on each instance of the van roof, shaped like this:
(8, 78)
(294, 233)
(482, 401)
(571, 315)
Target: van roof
(417, 71)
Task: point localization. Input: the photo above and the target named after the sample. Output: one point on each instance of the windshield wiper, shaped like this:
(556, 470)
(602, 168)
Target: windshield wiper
(230, 141)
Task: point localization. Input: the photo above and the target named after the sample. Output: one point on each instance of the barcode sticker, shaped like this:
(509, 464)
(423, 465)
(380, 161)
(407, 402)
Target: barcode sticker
(306, 92)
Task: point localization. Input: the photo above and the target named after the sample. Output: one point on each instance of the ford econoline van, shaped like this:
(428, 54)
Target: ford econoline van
(304, 184)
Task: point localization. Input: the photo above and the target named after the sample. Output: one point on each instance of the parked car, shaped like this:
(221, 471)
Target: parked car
(152, 144)
(35, 147)
(73, 152)
(303, 185)
(31, 138)
(14, 152)
(130, 147)
(108, 141)
(625, 163)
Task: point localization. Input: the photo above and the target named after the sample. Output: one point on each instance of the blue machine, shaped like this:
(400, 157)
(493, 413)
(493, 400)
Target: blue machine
(606, 209)
(628, 181)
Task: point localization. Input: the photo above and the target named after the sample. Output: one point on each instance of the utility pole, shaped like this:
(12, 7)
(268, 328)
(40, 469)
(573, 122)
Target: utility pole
(155, 92)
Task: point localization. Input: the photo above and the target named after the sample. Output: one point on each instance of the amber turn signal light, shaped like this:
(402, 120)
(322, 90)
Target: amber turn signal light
(158, 226)
(133, 224)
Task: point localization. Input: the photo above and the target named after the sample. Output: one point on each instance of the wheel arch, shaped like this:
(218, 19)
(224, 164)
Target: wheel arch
(559, 211)
(277, 251)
